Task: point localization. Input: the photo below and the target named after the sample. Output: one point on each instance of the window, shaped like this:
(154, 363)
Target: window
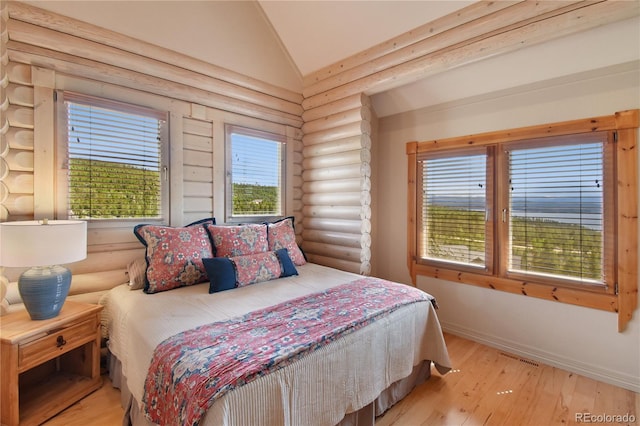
(453, 199)
(556, 209)
(114, 159)
(255, 174)
(546, 211)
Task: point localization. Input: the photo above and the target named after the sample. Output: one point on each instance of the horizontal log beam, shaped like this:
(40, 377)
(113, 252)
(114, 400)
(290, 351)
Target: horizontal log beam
(328, 173)
(30, 14)
(334, 238)
(19, 160)
(350, 213)
(97, 281)
(590, 16)
(104, 236)
(332, 186)
(468, 14)
(4, 168)
(19, 138)
(19, 73)
(19, 182)
(332, 160)
(20, 116)
(337, 146)
(4, 191)
(19, 205)
(332, 199)
(20, 94)
(71, 65)
(351, 254)
(337, 119)
(456, 30)
(332, 262)
(63, 43)
(339, 132)
(333, 225)
(350, 102)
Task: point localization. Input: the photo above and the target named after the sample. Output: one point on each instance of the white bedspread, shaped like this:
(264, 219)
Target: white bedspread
(319, 389)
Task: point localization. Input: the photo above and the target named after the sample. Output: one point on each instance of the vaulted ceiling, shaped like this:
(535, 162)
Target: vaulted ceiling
(320, 33)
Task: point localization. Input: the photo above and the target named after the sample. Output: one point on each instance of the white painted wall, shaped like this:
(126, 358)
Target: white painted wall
(231, 34)
(571, 337)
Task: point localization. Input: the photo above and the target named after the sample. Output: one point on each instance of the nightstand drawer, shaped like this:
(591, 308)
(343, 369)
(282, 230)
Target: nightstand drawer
(55, 343)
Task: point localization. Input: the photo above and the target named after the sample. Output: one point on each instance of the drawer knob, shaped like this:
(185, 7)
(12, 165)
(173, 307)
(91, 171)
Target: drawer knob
(60, 342)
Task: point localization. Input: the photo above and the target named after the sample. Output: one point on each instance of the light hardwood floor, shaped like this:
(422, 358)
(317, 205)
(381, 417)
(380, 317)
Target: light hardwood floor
(486, 387)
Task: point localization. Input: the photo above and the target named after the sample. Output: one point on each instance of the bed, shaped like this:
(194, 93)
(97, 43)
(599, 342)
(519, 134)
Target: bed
(347, 379)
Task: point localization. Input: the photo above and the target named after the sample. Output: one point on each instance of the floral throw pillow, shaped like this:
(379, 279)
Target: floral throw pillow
(174, 255)
(281, 234)
(226, 273)
(238, 240)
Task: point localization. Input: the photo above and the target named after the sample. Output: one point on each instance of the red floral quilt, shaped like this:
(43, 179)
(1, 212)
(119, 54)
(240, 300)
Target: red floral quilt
(192, 369)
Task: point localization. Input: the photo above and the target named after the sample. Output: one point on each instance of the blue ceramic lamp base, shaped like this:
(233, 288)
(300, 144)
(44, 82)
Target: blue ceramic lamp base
(44, 290)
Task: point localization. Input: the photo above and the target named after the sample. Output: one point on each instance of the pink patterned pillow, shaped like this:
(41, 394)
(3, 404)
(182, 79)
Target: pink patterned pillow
(239, 240)
(255, 268)
(281, 234)
(174, 255)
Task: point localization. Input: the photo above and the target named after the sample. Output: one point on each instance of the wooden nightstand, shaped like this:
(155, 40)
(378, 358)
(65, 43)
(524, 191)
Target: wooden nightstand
(48, 365)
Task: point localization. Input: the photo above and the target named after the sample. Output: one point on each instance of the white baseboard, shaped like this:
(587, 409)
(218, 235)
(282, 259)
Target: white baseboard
(588, 370)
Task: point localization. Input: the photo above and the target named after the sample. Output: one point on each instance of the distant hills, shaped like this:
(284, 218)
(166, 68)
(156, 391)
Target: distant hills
(586, 205)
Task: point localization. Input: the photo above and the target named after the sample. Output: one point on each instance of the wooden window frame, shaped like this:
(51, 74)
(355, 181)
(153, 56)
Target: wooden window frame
(622, 298)
(488, 267)
(607, 138)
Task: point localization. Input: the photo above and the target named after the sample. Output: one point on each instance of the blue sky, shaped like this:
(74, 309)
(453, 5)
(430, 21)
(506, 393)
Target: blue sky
(261, 154)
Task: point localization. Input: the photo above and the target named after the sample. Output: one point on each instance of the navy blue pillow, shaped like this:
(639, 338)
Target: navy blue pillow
(223, 276)
(221, 272)
(288, 268)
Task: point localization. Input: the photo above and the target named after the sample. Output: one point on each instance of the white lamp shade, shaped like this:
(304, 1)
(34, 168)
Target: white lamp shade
(34, 243)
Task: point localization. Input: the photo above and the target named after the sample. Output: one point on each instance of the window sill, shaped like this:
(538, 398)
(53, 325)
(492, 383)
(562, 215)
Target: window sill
(586, 298)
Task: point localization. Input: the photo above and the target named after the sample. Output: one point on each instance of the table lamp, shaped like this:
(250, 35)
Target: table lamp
(43, 246)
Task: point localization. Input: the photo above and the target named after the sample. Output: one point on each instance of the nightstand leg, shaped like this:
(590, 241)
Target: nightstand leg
(9, 407)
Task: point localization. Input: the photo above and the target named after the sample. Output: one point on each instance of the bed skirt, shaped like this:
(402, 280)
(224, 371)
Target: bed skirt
(365, 416)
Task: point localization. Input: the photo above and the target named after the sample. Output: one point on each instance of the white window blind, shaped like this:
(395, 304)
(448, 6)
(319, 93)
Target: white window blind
(256, 173)
(114, 159)
(453, 209)
(556, 215)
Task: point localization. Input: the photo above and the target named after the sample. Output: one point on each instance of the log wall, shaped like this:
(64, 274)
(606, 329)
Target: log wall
(4, 145)
(43, 52)
(16, 167)
(336, 176)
